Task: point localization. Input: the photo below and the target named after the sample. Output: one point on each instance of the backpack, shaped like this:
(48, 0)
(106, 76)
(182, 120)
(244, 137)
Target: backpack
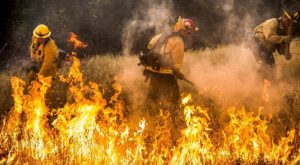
(153, 58)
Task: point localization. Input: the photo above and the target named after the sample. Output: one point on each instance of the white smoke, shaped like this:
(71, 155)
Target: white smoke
(149, 15)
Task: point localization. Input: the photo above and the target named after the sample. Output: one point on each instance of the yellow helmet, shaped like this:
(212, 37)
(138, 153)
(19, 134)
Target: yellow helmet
(41, 31)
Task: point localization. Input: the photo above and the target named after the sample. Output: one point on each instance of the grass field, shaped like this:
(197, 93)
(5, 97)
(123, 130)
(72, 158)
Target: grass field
(224, 77)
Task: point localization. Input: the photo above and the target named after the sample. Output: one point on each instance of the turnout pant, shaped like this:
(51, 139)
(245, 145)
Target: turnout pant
(265, 58)
(163, 93)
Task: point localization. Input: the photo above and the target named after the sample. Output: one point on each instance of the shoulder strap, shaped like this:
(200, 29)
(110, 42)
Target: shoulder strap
(164, 38)
(45, 43)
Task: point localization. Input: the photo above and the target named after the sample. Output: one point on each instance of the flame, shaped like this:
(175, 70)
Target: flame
(89, 129)
(195, 145)
(186, 99)
(73, 39)
(245, 138)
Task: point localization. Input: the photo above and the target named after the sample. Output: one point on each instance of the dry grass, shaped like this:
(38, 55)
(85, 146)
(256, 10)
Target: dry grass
(224, 77)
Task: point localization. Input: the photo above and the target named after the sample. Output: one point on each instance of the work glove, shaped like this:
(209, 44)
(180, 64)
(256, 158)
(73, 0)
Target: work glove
(287, 39)
(287, 54)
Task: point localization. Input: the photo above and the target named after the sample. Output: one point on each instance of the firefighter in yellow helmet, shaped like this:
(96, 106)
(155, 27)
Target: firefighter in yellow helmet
(163, 63)
(44, 52)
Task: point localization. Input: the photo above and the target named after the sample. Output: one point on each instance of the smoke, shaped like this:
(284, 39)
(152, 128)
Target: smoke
(150, 15)
(149, 18)
(227, 72)
(112, 26)
(132, 80)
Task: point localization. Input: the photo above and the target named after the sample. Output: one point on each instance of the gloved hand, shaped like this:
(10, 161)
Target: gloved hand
(288, 56)
(287, 39)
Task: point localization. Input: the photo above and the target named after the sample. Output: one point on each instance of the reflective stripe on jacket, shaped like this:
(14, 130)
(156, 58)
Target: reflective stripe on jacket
(45, 55)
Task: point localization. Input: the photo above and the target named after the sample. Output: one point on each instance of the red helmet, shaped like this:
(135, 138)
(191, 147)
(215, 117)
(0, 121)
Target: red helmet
(190, 24)
(185, 23)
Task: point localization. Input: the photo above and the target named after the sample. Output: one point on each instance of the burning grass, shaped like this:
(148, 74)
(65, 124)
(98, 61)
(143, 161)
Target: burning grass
(86, 117)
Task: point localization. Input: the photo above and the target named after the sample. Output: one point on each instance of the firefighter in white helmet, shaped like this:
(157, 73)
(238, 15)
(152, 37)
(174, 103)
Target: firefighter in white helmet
(167, 49)
(44, 53)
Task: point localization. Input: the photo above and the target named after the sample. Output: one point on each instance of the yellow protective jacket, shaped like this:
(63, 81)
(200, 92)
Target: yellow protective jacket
(267, 34)
(45, 55)
(172, 51)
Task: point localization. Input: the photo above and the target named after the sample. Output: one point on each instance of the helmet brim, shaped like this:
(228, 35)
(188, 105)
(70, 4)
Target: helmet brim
(41, 36)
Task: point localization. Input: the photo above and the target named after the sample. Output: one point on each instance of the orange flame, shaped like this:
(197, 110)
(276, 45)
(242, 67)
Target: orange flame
(73, 39)
(89, 129)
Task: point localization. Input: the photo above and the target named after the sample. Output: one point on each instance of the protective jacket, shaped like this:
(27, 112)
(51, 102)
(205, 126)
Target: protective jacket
(44, 55)
(269, 34)
(171, 52)
(163, 91)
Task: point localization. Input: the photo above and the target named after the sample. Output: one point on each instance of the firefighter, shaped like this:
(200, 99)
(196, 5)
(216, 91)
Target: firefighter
(43, 53)
(168, 50)
(269, 36)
